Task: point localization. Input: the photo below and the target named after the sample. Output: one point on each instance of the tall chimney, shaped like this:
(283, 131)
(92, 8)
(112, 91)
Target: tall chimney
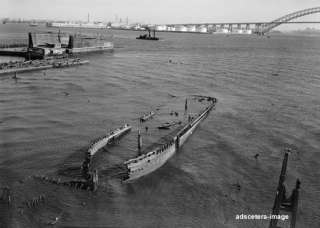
(70, 44)
(30, 42)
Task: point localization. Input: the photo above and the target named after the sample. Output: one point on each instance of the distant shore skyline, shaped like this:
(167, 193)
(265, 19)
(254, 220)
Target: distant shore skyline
(159, 12)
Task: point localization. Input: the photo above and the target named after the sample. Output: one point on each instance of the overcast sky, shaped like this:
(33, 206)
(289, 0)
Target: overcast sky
(160, 11)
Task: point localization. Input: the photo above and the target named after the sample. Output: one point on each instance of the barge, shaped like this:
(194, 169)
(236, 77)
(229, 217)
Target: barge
(50, 44)
(154, 159)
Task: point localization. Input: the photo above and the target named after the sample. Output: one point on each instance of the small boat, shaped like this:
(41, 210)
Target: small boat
(146, 37)
(147, 116)
(165, 126)
(33, 24)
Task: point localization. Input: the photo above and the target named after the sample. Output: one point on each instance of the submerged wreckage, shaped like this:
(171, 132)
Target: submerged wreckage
(147, 161)
(154, 159)
(84, 176)
(99, 144)
(158, 154)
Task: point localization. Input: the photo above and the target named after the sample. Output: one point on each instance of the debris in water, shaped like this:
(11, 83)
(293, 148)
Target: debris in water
(34, 202)
(6, 195)
(238, 186)
(15, 76)
(147, 116)
(171, 95)
(54, 221)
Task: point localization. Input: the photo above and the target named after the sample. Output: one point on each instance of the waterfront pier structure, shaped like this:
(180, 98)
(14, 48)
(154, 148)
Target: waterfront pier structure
(49, 44)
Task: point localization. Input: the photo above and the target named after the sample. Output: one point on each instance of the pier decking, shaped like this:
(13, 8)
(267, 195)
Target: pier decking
(28, 66)
(16, 51)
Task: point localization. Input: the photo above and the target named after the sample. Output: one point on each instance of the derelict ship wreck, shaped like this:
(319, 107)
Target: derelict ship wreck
(145, 163)
(154, 159)
(85, 176)
(155, 155)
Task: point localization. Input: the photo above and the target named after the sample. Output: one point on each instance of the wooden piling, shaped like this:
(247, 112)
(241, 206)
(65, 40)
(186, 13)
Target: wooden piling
(281, 202)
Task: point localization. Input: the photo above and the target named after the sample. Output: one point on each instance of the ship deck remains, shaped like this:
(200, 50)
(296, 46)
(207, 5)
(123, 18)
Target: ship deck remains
(155, 155)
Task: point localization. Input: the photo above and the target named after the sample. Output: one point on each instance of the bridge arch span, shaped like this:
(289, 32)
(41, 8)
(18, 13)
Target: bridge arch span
(289, 17)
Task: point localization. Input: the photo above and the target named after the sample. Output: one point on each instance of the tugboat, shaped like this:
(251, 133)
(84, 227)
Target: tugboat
(148, 36)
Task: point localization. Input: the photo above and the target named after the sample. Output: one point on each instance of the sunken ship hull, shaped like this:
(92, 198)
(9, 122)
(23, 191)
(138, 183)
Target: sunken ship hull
(151, 161)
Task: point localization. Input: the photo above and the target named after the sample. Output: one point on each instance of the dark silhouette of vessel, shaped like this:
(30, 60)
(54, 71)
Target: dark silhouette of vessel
(148, 36)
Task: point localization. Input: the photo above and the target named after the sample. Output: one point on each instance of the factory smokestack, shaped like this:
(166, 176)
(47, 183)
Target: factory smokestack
(30, 42)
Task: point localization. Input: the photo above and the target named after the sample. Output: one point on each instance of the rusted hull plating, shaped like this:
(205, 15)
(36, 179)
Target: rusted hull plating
(102, 142)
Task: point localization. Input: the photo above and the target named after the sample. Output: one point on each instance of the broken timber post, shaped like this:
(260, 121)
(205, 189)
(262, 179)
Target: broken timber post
(281, 202)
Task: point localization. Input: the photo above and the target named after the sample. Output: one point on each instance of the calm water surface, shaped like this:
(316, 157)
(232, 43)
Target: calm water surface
(268, 94)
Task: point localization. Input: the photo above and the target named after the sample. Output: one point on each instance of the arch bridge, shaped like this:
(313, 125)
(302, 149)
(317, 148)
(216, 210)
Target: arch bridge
(268, 26)
(259, 28)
